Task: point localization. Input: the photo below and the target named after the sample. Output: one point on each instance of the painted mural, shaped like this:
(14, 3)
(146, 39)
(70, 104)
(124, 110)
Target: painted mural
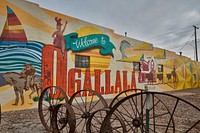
(41, 48)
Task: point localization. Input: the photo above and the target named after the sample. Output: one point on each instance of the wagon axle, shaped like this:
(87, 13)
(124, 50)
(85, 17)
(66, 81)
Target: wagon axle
(137, 122)
(50, 108)
(63, 120)
(85, 115)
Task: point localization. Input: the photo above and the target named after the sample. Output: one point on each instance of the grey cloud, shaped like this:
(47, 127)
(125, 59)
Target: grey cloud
(147, 20)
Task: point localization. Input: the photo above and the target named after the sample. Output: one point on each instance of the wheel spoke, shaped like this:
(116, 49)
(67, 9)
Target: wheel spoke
(47, 103)
(95, 127)
(83, 126)
(78, 108)
(95, 105)
(172, 114)
(91, 102)
(78, 105)
(97, 120)
(86, 103)
(193, 126)
(87, 107)
(135, 105)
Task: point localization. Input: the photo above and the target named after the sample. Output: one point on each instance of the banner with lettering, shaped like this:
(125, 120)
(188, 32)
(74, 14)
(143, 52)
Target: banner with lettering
(87, 42)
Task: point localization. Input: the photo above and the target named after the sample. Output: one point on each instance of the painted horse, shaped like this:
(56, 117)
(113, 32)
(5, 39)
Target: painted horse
(14, 79)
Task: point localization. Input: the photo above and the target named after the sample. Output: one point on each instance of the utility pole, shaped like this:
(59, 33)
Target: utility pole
(195, 35)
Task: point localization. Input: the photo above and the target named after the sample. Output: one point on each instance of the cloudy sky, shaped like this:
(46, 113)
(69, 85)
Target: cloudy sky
(166, 24)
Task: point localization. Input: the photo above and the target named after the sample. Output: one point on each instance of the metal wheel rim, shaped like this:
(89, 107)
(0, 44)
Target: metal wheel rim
(63, 119)
(83, 109)
(45, 118)
(137, 118)
(114, 126)
(115, 99)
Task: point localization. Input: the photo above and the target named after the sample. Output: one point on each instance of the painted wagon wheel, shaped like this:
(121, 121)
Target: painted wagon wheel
(84, 103)
(95, 121)
(125, 93)
(142, 112)
(63, 119)
(49, 98)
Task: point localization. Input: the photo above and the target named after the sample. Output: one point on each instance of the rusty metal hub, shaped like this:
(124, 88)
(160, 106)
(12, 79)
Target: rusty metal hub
(85, 115)
(137, 122)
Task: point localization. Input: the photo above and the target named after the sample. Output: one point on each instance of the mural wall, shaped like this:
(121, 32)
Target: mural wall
(41, 48)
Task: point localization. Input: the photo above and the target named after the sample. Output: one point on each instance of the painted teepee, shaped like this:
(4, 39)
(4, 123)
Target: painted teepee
(13, 30)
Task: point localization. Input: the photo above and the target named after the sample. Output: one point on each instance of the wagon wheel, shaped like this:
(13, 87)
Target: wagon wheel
(49, 98)
(95, 121)
(142, 112)
(125, 93)
(84, 103)
(119, 125)
(63, 119)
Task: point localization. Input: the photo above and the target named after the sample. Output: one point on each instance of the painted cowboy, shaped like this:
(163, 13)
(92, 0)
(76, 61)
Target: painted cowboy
(28, 72)
(59, 40)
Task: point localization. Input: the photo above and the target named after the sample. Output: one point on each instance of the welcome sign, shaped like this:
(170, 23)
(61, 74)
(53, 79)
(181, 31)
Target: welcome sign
(87, 42)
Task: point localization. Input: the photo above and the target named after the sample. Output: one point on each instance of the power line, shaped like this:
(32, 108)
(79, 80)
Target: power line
(186, 42)
(181, 34)
(168, 33)
(171, 42)
(181, 44)
(159, 37)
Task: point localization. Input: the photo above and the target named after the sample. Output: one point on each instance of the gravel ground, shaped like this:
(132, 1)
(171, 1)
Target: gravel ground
(25, 121)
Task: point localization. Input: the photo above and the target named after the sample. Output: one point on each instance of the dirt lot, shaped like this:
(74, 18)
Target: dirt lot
(25, 121)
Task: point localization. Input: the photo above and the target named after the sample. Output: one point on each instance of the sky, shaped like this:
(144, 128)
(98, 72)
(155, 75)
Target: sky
(167, 24)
